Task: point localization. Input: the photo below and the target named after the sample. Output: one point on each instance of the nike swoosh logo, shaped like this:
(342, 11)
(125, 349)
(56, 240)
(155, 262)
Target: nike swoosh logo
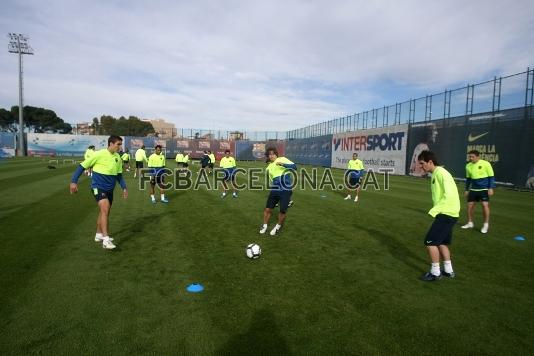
(429, 242)
(472, 138)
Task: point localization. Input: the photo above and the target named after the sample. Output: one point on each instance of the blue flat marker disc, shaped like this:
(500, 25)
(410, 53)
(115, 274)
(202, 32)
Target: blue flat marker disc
(195, 288)
(519, 238)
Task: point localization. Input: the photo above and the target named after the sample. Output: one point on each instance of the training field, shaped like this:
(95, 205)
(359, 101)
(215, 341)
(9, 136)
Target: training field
(341, 278)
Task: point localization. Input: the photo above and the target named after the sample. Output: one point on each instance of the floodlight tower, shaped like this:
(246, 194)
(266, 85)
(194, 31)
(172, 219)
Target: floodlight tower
(18, 43)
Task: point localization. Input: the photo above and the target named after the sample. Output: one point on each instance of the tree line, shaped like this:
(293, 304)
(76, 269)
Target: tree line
(42, 120)
(131, 126)
(35, 120)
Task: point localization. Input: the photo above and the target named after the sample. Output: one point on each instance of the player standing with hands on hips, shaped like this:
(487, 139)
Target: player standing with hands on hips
(107, 171)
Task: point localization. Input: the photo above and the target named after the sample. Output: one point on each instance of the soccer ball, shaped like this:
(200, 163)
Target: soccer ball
(253, 251)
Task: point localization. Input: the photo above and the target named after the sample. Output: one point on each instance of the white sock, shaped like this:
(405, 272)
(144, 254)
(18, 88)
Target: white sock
(105, 238)
(486, 225)
(348, 196)
(264, 225)
(99, 235)
(435, 269)
(162, 196)
(447, 266)
(278, 226)
(152, 197)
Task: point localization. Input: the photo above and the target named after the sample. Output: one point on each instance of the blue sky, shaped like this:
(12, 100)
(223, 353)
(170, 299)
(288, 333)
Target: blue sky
(263, 65)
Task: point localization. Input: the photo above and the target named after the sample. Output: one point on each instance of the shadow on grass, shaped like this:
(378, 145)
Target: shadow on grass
(262, 338)
(130, 230)
(397, 249)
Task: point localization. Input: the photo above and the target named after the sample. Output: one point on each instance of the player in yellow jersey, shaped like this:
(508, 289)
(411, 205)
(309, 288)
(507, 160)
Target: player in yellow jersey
(185, 161)
(211, 163)
(228, 165)
(156, 163)
(281, 189)
(355, 171)
(107, 171)
(140, 158)
(179, 159)
(445, 212)
(88, 153)
(479, 184)
(126, 159)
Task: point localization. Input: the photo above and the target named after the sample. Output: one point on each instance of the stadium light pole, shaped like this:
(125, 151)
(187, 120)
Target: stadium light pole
(18, 43)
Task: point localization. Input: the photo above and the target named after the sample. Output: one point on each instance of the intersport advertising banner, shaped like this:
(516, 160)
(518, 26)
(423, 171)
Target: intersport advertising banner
(378, 148)
(63, 145)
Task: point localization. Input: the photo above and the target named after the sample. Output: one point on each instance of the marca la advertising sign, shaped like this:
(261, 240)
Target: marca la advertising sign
(383, 147)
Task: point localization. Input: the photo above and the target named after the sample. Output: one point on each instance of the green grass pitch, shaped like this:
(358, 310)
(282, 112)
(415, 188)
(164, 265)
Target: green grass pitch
(342, 278)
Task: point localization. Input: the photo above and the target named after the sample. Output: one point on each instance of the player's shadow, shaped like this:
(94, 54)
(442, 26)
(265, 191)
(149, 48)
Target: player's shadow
(397, 249)
(262, 338)
(133, 229)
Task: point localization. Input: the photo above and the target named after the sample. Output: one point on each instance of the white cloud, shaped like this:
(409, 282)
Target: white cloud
(255, 65)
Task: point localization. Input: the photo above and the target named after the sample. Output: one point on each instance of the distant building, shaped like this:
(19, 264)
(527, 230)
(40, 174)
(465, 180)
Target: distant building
(162, 128)
(236, 135)
(83, 128)
(208, 136)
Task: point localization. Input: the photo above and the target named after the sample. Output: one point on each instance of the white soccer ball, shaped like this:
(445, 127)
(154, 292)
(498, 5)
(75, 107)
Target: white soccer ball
(253, 251)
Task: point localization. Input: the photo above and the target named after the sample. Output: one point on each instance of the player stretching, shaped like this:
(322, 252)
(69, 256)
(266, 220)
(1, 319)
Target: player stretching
(281, 186)
(445, 212)
(479, 184)
(228, 165)
(355, 171)
(107, 170)
(156, 162)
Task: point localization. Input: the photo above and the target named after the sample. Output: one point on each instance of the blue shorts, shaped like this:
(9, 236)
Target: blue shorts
(279, 196)
(440, 233)
(101, 194)
(352, 179)
(229, 174)
(157, 179)
(354, 182)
